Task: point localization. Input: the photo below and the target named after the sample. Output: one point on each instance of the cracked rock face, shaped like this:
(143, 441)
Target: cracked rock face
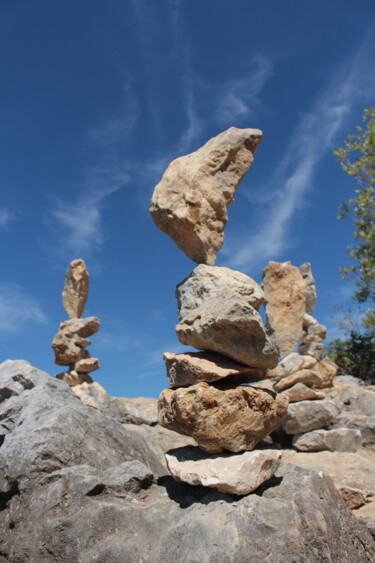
(191, 200)
(222, 417)
(76, 288)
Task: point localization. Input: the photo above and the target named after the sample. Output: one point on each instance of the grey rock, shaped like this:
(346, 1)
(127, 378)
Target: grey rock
(315, 349)
(191, 200)
(309, 415)
(308, 278)
(340, 440)
(235, 474)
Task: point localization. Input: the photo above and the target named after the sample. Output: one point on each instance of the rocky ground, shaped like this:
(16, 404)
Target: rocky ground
(83, 478)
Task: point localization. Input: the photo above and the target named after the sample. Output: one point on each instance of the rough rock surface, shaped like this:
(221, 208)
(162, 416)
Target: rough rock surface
(236, 474)
(320, 376)
(207, 282)
(71, 340)
(339, 440)
(76, 288)
(193, 367)
(85, 496)
(87, 365)
(285, 293)
(353, 497)
(315, 349)
(73, 378)
(309, 415)
(308, 278)
(300, 392)
(222, 417)
(191, 200)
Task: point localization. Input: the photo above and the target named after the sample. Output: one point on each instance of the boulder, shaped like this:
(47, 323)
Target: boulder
(76, 288)
(193, 367)
(238, 474)
(309, 415)
(339, 440)
(222, 417)
(207, 282)
(308, 278)
(300, 392)
(191, 200)
(285, 294)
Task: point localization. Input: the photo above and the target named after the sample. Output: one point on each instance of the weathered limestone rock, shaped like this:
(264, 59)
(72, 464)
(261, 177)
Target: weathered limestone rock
(309, 415)
(207, 282)
(315, 349)
(87, 365)
(309, 320)
(76, 288)
(315, 333)
(70, 342)
(354, 498)
(291, 363)
(190, 202)
(222, 417)
(285, 294)
(337, 440)
(318, 377)
(300, 392)
(235, 474)
(194, 367)
(73, 378)
(308, 278)
(80, 327)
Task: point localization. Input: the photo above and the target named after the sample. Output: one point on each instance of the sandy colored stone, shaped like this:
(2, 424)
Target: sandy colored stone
(354, 498)
(285, 294)
(73, 378)
(321, 375)
(315, 333)
(308, 278)
(191, 200)
(87, 365)
(235, 474)
(76, 288)
(80, 327)
(291, 363)
(68, 349)
(309, 320)
(300, 392)
(315, 349)
(193, 367)
(222, 417)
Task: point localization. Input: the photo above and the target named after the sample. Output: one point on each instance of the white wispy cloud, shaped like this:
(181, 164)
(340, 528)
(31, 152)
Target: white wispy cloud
(5, 217)
(312, 140)
(17, 309)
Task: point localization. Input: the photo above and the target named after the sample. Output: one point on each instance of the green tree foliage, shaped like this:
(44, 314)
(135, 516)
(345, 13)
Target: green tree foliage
(356, 353)
(357, 158)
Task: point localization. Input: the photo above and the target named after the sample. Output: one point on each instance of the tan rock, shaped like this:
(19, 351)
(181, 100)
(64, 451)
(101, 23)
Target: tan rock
(76, 288)
(291, 363)
(327, 370)
(87, 365)
(285, 294)
(354, 498)
(300, 392)
(222, 417)
(235, 474)
(80, 327)
(194, 367)
(191, 200)
(308, 278)
(315, 349)
(72, 378)
(307, 376)
(308, 320)
(68, 349)
(315, 333)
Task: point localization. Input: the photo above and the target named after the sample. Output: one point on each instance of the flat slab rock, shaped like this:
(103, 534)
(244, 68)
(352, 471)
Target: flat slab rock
(191, 200)
(338, 439)
(195, 367)
(222, 417)
(238, 474)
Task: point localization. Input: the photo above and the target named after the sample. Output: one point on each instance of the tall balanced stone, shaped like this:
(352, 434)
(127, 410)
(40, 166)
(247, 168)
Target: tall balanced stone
(285, 294)
(308, 278)
(191, 200)
(76, 288)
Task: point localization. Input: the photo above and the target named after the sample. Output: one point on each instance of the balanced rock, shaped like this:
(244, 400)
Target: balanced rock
(309, 415)
(191, 200)
(308, 278)
(87, 365)
(285, 293)
(76, 288)
(194, 367)
(80, 327)
(300, 392)
(70, 342)
(315, 349)
(337, 440)
(222, 417)
(319, 376)
(353, 497)
(235, 474)
(73, 378)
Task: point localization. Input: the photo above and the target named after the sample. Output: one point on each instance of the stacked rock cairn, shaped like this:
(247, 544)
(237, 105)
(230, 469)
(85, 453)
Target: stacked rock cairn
(71, 341)
(218, 313)
(304, 376)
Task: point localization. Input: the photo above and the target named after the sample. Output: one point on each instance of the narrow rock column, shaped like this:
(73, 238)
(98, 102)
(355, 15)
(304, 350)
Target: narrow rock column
(70, 342)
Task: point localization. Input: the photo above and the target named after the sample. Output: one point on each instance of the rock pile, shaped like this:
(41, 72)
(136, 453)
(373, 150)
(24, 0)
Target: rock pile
(71, 341)
(218, 313)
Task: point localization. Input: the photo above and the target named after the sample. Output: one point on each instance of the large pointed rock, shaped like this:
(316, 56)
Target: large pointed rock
(222, 417)
(217, 312)
(191, 200)
(76, 288)
(235, 474)
(285, 293)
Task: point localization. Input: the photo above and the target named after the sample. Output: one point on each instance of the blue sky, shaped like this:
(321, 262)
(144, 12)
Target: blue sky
(97, 98)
